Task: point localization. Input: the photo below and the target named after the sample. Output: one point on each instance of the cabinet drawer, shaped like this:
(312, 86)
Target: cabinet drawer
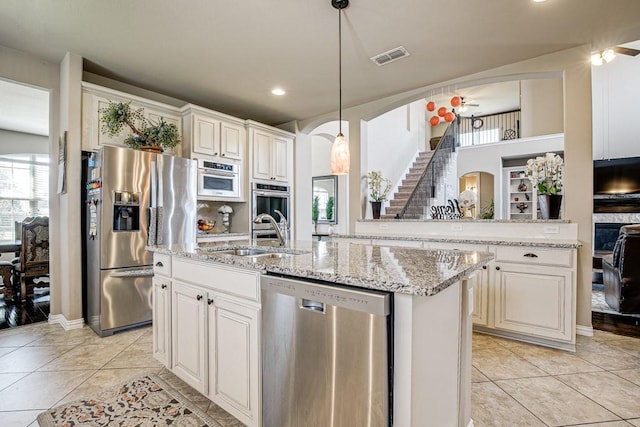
(245, 284)
(535, 256)
(162, 264)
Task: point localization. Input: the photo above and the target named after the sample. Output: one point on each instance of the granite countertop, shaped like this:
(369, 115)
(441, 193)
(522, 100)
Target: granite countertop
(410, 271)
(501, 241)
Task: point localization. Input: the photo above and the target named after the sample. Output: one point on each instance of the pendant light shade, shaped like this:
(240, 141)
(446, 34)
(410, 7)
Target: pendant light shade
(340, 157)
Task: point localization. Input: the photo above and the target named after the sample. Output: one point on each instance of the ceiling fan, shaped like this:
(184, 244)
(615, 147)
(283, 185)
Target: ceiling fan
(464, 105)
(607, 55)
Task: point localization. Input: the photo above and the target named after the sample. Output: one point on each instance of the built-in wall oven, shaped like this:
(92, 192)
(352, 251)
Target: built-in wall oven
(217, 179)
(269, 198)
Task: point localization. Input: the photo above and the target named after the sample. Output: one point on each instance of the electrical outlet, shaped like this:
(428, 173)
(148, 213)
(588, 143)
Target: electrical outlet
(551, 229)
(456, 227)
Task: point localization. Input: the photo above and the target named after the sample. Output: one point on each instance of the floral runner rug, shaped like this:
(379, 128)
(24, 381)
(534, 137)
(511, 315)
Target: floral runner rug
(143, 401)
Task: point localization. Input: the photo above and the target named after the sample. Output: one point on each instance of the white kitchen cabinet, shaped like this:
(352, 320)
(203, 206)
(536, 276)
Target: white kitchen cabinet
(96, 97)
(161, 304)
(534, 294)
(520, 198)
(188, 334)
(272, 153)
(233, 357)
(535, 301)
(215, 337)
(162, 319)
(212, 134)
(480, 291)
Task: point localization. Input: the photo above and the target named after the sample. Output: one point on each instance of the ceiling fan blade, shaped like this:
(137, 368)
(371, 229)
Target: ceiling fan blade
(472, 105)
(626, 51)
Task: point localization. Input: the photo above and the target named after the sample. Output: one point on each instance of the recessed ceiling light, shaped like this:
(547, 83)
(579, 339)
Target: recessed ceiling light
(278, 92)
(538, 1)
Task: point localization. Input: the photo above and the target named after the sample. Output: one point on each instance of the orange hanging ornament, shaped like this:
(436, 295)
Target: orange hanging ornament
(434, 120)
(431, 106)
(456, 101)
(442, 111)
(449, 116)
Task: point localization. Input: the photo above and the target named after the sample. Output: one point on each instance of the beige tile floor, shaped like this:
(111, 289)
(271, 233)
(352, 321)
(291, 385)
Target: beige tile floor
(513, 384)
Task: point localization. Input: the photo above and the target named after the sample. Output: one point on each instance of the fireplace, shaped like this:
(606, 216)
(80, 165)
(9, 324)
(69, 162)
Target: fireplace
(606, 227)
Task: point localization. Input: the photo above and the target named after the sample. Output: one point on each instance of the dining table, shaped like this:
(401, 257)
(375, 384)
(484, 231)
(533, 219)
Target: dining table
(10, 246)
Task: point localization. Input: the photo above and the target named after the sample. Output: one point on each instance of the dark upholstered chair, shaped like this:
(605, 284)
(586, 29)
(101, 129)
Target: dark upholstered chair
(621, 271)
(6, 280)
(33, 263)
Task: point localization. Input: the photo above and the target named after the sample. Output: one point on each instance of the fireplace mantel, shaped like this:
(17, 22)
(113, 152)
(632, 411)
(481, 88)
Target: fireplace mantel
(616, 218)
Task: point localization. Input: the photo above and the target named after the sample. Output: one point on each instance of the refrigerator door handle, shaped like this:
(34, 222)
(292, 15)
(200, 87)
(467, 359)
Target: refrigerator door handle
(148, 272)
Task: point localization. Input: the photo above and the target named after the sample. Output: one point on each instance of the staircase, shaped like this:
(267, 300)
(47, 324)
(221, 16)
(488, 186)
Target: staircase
(424, 185)
(408, 184)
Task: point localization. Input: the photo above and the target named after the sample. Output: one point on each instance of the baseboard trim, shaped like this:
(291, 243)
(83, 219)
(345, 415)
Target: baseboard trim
(586, 331)
(66, 324)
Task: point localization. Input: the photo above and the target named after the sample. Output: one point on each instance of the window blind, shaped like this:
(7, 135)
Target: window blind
(24, 190)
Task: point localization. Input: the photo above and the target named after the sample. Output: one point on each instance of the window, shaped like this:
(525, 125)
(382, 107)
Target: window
(24, 190)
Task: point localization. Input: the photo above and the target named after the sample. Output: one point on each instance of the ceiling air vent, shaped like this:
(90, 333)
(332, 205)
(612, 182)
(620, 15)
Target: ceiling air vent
(390, 55)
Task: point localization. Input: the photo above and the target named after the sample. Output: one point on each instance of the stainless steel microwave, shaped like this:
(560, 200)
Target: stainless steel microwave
(216, 179)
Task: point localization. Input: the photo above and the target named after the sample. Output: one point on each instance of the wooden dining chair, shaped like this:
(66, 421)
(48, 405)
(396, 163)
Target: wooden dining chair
(33, 264)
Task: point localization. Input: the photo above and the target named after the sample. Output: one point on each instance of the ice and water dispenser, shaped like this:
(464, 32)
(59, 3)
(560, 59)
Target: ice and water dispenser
(126, 211)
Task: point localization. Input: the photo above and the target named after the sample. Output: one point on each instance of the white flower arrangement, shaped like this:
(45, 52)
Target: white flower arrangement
(379, 186)
(545, 172)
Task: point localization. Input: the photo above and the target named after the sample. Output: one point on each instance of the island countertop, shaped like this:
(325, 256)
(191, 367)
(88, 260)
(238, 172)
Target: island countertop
(412, 271)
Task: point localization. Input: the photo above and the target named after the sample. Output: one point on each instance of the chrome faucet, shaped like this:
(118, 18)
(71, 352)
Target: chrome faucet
(283, 222)
(281, 237)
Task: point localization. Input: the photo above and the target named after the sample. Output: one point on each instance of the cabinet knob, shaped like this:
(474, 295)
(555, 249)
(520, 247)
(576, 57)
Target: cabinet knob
(210, 301)
(215, 154)
(222, 154)
(530, 255)
(199, 297)
(159, 264)
(163, 286)
(497, 267)
(484, 267)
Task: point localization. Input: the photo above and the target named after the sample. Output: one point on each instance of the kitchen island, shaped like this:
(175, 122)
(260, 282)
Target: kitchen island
(200, 291)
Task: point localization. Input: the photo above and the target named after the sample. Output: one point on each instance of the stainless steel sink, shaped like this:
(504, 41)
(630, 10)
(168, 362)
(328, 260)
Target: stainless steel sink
(244, 252)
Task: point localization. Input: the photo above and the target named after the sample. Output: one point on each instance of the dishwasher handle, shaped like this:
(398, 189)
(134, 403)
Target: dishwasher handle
(310, 305)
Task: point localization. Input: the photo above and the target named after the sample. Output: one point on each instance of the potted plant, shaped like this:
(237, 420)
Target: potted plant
(545, 173)
(315, 211)
(379, 188)
(330, 205)
(144, 133)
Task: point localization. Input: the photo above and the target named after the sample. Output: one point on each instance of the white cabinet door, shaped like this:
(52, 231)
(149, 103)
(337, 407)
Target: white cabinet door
(534, 301)
(232, 139)
(188, 334)
(481, 296)
(234, 358)
(281, 162)
(206, 135)
(162, 320)
(262, 155)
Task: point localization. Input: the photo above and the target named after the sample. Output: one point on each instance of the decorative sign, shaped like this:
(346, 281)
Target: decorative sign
(449, 211)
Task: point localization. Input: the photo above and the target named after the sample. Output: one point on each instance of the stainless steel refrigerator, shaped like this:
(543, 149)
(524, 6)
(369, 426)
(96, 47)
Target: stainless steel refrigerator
(133, 198)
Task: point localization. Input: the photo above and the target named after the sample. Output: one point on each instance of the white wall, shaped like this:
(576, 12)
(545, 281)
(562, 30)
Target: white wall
(488, 158)
(616, 122)
(20, 143)
(541, 107)
(24, 68)
(394, 139)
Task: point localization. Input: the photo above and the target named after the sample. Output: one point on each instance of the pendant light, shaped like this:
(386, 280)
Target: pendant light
(340, 149)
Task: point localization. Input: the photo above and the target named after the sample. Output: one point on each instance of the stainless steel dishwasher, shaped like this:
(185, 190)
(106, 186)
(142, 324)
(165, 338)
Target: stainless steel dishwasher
(326, 355)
